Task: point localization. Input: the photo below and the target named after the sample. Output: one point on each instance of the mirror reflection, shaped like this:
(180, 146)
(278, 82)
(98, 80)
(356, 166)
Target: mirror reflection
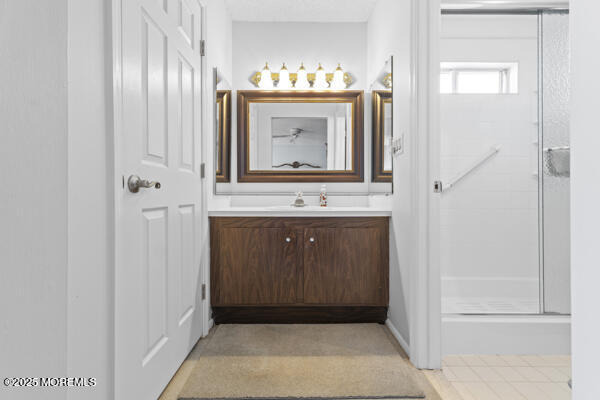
(387, 134)
(223, 142)
(300, 136)
(222, 129)
(382, 108)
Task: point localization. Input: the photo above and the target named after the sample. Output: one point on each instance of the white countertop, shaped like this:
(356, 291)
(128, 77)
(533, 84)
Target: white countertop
(308, 211)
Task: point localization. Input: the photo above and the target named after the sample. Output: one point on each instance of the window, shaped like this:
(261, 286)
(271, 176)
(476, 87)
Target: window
(478, 78)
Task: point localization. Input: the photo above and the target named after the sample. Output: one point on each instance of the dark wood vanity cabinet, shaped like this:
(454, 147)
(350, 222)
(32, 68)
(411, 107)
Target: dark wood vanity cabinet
(299, 269)
(256, 265)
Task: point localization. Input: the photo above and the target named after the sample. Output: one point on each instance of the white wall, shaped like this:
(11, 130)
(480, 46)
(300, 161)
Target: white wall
(219, 38)
(218, 55)
(218, 30)
(489, 220)
(389, 33)
(255, 43)
(90, 197)
(33, 194)
(585, 213)
(57, 196)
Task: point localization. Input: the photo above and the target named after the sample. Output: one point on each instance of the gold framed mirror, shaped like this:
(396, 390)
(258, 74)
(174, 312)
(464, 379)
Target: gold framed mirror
(223, 143)
(300, 136)
(382, 135)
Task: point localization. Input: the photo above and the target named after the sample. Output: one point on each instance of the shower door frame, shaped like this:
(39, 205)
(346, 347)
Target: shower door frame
(540, 138)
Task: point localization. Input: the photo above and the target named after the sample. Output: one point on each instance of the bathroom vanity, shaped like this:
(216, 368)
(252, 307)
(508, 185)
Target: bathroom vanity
(282, 264)
(278, 266)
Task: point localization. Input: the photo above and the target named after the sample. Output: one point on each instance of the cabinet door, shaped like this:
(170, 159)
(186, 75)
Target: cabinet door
(344, 265)
(257, 266)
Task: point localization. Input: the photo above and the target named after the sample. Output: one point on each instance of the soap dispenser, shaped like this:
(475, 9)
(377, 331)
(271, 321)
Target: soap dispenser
(323, 196)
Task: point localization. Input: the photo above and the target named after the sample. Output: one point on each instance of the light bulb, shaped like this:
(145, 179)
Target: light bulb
(284, 78)
(338, 79)
(266, 81)
(320, 81)
(302, 78)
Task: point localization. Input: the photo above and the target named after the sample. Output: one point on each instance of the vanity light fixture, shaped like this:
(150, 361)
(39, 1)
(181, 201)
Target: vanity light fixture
(266, 80)
(302, 80)
(320, 81)
(284, 78)
(338, 79)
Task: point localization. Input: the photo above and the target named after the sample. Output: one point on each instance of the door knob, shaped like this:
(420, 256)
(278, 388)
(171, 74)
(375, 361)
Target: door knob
(288, 239)
(134, 183)
(312, 239)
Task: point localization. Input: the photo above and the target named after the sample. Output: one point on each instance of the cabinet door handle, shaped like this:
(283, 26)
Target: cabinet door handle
(311, 239)
(288, 239)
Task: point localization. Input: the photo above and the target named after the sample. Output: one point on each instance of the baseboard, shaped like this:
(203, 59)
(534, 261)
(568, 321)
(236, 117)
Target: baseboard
(398, 337)
(211, 323)
(299, 314)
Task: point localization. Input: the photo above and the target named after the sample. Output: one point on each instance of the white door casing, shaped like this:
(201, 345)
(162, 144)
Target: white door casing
(158, 311)
(425, 294)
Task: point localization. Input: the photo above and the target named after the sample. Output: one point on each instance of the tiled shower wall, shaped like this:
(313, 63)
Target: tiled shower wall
(489, 220)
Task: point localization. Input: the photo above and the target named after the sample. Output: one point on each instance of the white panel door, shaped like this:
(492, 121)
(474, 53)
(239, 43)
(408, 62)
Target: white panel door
(158, 316)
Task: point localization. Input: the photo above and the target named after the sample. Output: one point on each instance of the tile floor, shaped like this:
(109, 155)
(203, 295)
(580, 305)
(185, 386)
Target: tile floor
(492, 377)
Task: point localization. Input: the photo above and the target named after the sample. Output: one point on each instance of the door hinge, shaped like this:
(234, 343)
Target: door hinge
(202, 47)
(204, 291)
(437, 187)
(202, 170)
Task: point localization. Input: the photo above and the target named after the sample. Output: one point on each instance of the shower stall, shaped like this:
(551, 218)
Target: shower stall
(504, 208)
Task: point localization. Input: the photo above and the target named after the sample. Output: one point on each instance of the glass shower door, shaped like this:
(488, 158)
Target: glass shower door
(489, 216)
(555, 163)
(505, 226)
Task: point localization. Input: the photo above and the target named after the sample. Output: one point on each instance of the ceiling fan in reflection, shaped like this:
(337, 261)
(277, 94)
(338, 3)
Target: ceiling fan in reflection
(294, 133)
(296, 165)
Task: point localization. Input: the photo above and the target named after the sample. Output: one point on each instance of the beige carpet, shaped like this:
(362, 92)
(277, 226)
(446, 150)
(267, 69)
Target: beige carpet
(301, 361)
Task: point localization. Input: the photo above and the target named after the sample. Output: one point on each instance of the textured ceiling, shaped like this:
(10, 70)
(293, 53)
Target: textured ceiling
(300, 10)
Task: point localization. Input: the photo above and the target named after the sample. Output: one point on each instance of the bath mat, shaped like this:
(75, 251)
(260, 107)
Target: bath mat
(345, 361)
